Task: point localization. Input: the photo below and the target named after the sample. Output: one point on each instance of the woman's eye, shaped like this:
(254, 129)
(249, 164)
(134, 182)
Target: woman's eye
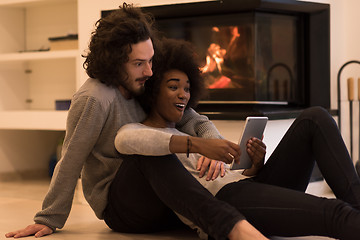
(173, 87)
(187, 89)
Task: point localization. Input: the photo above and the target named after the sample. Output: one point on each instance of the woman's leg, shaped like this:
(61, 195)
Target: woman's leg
(277, 211)
(313, 136)
(146, 187)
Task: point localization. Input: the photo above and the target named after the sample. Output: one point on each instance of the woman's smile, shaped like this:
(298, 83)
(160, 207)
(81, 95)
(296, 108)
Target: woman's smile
(173, 97)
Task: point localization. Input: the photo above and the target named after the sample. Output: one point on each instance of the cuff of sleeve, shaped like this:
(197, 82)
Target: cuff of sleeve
(46, 224)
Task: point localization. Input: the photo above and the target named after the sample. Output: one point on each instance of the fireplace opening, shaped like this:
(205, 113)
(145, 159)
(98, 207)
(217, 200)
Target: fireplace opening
(260, 57)
(247, 57)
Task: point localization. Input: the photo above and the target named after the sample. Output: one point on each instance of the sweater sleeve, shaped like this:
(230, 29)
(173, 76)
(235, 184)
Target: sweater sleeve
(85, 120)
(198, 125)
(134, 139)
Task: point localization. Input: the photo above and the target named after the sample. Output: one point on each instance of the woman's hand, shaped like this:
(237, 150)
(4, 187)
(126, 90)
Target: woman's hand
(219, 149)
(256, 150)
(39, 230)
(216, 168)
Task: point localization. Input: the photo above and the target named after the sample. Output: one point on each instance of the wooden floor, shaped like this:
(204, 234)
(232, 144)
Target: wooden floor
(19, 200)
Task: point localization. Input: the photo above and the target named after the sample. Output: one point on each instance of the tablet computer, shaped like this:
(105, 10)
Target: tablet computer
(254, 127)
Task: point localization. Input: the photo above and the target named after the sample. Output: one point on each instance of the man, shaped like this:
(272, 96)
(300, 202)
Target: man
(119, 62)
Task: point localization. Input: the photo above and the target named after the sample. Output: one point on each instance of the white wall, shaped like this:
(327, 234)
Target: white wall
(31, 154)
(345, 46)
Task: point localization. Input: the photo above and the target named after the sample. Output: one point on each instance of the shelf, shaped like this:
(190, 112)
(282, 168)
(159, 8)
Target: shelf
(31, 81)
(29, 56)
(29, 2)
(33, 120)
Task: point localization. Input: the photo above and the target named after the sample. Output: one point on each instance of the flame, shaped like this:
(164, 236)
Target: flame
(215, 59)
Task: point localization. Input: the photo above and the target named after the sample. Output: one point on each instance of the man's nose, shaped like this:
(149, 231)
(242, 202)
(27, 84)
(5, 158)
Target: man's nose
(148, 70)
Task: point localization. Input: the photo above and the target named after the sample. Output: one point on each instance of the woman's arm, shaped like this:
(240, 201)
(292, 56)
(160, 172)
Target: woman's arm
(139, 139)
(218, 149)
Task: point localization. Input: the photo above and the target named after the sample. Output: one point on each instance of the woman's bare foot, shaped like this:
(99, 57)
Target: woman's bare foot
(243, 230)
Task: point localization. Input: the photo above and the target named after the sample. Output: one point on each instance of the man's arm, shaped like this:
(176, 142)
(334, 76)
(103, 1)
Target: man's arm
(39, 230)
(198, 125)
(84, 125)
(83, 128)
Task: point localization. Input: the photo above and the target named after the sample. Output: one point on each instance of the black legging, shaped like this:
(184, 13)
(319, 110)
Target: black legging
(145, 189)
(274, 201)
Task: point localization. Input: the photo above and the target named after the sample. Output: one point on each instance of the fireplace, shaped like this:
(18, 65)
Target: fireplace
(260, 57)
(248, 57)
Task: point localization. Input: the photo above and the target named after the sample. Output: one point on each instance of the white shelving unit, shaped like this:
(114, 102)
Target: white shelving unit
(32, 56)
(33, 120)
(32, 80)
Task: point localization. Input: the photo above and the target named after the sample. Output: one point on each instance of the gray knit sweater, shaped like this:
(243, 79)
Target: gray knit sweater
(97, 112)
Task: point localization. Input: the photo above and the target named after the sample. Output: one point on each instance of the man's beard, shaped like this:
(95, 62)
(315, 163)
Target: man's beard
(139, 91)
(134, 91)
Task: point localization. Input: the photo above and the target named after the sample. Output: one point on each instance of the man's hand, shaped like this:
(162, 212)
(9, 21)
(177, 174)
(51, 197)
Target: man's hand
(215, 168)
(38, 230)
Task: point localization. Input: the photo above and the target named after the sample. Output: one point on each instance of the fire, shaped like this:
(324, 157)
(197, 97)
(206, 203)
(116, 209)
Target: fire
(215, 59)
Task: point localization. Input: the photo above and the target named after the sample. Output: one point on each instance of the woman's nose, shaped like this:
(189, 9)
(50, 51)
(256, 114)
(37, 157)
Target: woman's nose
(183, 94)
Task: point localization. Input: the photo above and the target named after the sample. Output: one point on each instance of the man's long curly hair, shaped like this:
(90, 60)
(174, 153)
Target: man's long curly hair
(110, 43)
(174, 54)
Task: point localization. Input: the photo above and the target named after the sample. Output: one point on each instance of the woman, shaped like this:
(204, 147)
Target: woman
(273, 199)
